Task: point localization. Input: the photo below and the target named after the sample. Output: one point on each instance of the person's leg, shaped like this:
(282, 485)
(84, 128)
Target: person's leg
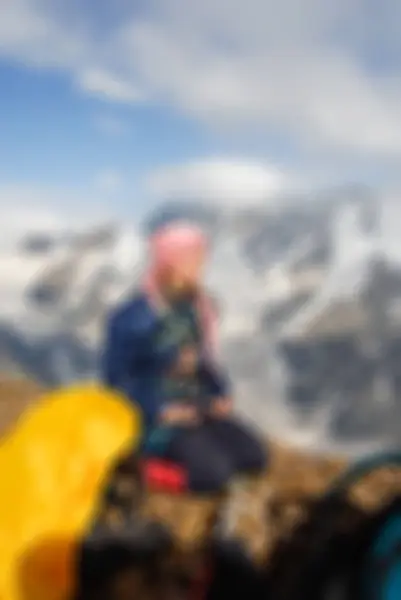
(208, 467)
(244, 515)
(246, 451)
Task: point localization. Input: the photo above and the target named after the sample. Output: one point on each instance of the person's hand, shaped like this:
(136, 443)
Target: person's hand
(176, 414)
(221, 407)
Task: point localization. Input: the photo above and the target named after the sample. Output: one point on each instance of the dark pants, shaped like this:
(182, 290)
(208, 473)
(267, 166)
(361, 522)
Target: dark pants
(215, 451)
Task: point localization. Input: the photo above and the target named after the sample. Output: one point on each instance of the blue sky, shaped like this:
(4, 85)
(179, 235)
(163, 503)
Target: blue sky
(57, 134)
(109, 106)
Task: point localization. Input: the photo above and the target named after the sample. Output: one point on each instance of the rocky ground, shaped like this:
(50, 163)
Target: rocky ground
(16, 395)
(294, 479)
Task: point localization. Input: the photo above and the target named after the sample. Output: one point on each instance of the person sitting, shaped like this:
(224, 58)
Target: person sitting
(160, 351)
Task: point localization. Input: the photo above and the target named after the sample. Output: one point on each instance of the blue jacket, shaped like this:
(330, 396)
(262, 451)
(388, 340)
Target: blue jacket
(134, 364)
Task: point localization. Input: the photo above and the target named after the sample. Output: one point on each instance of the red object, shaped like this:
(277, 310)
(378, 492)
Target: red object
(164, 476)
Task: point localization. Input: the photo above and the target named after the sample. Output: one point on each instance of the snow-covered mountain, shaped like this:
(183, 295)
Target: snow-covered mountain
(276, 270)
(63, 285)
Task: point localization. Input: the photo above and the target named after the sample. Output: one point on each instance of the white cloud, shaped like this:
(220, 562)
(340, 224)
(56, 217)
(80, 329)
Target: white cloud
(32, 31)
(232, 182)
(284, 66)
(327, 74)
(104, 84)
(110, 125)
(35, 220)
(39, 210)
(109, 180)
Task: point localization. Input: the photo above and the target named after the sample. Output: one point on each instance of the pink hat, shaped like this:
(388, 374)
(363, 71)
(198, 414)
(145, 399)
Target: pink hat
(170, 245)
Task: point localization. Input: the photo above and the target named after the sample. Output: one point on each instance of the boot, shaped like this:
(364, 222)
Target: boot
(244, 517)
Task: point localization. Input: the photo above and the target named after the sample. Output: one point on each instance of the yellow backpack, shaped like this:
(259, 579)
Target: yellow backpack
(53, 466)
